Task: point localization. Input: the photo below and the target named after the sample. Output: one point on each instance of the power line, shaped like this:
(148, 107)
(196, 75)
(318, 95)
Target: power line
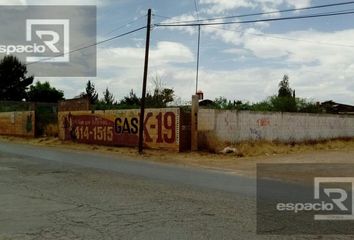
(116, 29)
(91, 45)
(160, 16)
(125, 25)
(286, 38)
(262, 13)
(254, 21)
(332, 12)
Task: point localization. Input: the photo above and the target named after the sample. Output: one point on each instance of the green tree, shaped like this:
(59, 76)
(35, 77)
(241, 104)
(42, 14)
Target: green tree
(160, 97)
(224, 103)
(307, 106)
(130, 100)
(284, 87)
(221, 102)
(108, 97)
(263, 106)
(13, 79)
(283, 104)
(285, 101)
(90, 93)
(43, 92)
(242, 105)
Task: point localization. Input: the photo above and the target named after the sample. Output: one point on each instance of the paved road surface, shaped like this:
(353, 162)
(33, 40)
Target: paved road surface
(47, 193)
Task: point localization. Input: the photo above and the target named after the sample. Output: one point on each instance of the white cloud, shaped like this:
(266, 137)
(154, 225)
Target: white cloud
(317, 71)
(121, 69)
(13, 2)
(223, 6)
(299, 3)
(182, 18)
(163, 53)
(311, 47)
(52, 2)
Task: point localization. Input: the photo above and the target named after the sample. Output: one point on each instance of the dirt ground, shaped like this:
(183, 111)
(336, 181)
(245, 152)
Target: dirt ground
(337, 151)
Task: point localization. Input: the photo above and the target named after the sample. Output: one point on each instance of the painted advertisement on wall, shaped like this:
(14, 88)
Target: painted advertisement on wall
(121, 127)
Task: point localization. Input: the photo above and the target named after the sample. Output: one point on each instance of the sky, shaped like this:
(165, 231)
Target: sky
(239, 61)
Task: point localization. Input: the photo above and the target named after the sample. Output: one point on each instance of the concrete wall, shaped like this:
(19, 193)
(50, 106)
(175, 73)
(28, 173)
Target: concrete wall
(17, 123)
(120, 127)
(235, 126)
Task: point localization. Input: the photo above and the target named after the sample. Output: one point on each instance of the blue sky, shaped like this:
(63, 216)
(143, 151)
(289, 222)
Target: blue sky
(243, 62)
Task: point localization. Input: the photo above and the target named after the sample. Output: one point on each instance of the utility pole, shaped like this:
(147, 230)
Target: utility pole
(198, 53)
(146, 67)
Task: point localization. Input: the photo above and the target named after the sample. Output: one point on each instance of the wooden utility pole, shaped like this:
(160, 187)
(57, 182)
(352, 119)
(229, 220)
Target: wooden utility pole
(198, 54)
(146, 67)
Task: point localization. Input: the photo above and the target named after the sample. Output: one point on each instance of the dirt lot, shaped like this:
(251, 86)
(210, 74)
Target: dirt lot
(338, 151)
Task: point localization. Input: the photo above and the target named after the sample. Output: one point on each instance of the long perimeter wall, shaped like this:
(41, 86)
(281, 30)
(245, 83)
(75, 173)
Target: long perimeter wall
(120, 128)
(223, 126)
(17, 123)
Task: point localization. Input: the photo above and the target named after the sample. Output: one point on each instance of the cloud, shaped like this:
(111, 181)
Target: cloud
(317, 71)
(304, 47)
(13, 2)
(52, 2)
(224, 6)
(320, 65)
(121, 69)
(299, 3)
(182, 18)
(221, 6)
(163, 53)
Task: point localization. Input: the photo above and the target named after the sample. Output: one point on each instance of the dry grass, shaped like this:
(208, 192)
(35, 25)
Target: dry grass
(261, 148)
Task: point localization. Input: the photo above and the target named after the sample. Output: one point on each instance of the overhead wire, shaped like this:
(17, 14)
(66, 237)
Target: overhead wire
(125, 25)
(255, 21)
(91, 45)
(284, 38)
(337, 13)
(261, 13)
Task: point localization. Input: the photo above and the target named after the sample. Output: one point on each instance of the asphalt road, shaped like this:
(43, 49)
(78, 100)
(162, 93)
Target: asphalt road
(46, 193)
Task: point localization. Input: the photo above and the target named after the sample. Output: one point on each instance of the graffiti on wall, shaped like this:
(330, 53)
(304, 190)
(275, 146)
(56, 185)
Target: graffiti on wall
(263, 122)
(256, 133)
(121, 128)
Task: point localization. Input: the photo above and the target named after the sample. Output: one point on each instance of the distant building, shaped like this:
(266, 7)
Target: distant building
(76, 104)
(338, 108)
(207, 103)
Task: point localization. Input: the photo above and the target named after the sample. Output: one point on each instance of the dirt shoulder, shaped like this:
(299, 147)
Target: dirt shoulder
(338, 151)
